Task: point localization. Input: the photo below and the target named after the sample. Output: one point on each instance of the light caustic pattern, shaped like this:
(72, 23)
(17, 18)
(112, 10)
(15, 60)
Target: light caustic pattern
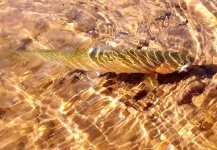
(103, 110)
(48, 105)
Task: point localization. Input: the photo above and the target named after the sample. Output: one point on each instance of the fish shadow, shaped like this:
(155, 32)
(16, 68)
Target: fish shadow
(199, 72)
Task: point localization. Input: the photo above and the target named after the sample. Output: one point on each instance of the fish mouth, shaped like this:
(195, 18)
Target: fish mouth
(183, 68)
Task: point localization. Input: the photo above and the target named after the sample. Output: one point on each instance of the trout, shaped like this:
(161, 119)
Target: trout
(127, 61)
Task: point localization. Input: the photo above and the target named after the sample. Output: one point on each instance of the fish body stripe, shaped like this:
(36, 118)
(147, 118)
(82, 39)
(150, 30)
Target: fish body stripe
(128, 61)
(174, 58)
(131, 61)
(138, 63)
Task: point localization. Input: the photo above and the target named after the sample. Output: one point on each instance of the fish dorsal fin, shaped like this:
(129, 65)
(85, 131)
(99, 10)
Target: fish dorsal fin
(98, 44)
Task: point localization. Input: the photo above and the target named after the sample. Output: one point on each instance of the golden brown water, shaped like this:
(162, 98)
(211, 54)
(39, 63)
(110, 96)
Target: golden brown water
(46, 105)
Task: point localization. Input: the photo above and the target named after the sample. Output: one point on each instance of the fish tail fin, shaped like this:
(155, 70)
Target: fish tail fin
(7, 58)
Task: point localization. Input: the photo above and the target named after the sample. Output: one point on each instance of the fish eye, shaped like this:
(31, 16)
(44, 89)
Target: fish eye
(183, 63)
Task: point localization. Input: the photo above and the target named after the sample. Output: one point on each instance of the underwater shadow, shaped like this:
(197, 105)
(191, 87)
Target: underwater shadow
(200, 72)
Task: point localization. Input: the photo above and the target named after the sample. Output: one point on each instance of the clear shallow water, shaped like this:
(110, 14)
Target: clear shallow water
(45, 105)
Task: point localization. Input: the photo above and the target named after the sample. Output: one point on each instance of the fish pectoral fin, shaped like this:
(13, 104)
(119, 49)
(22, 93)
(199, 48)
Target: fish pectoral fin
(151, 81)
(164, 68)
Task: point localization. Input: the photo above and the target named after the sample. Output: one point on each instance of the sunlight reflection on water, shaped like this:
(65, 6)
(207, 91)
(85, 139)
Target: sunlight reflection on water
(47, 105)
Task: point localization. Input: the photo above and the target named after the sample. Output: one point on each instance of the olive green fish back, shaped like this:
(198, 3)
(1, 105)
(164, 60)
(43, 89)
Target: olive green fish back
(127, 61)
(138, 61)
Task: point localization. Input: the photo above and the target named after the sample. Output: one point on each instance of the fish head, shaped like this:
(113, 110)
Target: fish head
(174, 61)
(185, 61)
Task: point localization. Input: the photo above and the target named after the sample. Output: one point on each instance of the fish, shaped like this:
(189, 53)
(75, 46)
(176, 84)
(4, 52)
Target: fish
(148, 62)
(100, 60)
(125, 61)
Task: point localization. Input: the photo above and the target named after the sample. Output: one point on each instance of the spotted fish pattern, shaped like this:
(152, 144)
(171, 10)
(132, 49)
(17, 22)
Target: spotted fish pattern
(127, 61)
